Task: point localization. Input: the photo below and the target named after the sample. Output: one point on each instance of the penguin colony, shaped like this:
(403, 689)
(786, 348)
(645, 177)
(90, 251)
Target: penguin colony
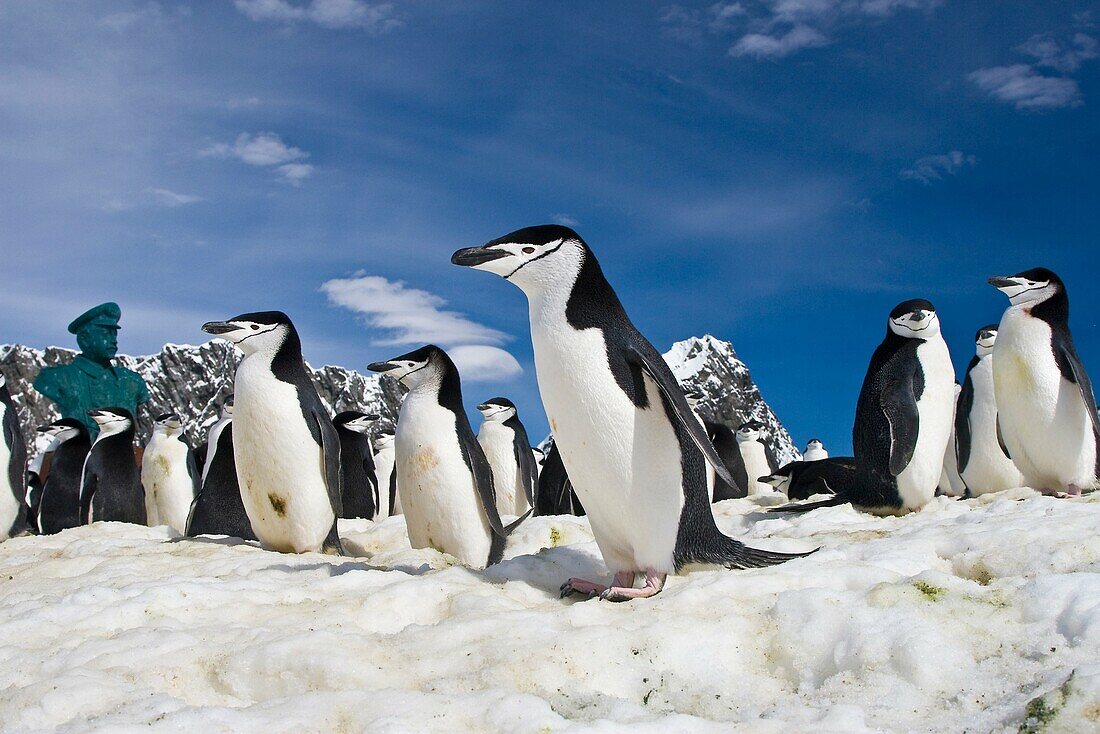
(629, 448)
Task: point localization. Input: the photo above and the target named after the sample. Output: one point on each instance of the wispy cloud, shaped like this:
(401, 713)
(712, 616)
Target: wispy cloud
(566, 220)
(774, 29)
(265, 150)
(371, 17)
(414, 316)
(931, 168)
(164, 197)
(1028, 88)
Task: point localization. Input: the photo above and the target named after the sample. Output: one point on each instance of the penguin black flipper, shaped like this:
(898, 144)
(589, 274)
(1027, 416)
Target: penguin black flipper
(525, 462)
(769, 454)
(674, 398)
(807, 506)
(900, 408)
(1001, 440)
(482, 474)
(962, 418)
(330, 455)
(87, 490)
(1067, 359)
(740, 473)
(725, 443)
(195, 473)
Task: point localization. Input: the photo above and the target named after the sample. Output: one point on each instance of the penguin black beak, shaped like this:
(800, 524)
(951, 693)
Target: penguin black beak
(1002, 282)
(483, 406)
(472, 256)
(218, 327)
(372, 416)
(381, 366)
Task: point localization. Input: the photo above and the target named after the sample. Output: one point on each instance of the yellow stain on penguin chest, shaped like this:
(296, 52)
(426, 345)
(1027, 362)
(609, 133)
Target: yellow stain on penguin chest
(278, 504)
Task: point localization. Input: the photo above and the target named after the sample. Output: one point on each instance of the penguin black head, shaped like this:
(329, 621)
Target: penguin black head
(814, 443)
(750, 430)
(1029, 287)
(261, 331)
(914, 319)
(534, 258)
(694, 396)
(985, 338)
(497, 409)
(383, 441)
(225, 407)
(111, 420)
(353, 420)
(168, 423)
(64, 429)
(416, 367)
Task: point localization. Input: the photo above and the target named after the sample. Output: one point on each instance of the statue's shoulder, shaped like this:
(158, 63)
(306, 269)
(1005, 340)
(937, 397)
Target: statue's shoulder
(133, 378)
(54, 380)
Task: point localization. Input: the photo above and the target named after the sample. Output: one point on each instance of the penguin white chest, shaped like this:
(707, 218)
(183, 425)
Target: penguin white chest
(987, 469)
(935, 409)
(623, 461)
(440, 502)
(815, 455)
(383, 468)
(498, 442)
(280, 467)
(756, 466)
(9, 504)
(1043, 417)
(168, 487)
(212, 439)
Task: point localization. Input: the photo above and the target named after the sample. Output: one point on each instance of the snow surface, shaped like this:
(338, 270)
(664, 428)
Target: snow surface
(970, 615)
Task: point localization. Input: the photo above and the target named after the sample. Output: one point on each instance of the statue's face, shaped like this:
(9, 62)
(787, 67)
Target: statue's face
(98, 342)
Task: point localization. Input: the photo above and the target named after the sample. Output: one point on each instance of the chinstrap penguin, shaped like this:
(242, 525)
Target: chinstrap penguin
(385, 470)
(1045, 400)
(982, 463)
(815, 451)
(110, 485)
(284, 444)
(555, 494)
(903, 417)
(218, 509)
(754, 459)
(443, 477)
(801, 480)
(504, 441)
(951, 483)
(632, 447)
(13, 460)
(60, 506)
(168, 474)
(360, 498)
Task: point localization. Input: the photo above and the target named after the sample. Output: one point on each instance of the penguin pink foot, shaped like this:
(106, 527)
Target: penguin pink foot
(654, 582)
(580, 586)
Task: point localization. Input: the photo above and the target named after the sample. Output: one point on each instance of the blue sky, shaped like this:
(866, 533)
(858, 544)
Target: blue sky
(778, 173)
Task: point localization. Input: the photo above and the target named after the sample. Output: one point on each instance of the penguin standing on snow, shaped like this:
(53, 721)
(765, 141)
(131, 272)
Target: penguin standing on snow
(504, 441)
(756, 459)
(13, 460)
(43, 444)
(60, 506)
(360, 498)
(110, 485)
(982, 463)
(633, 449)
(284, 444)
(1045, 400)
(801, 480)
(555, 494)
(903, 417)
(815, 451)
(443, 477)
(168, 474)
(694, 400)
(951, 483)
(385, 471)
(218, 509)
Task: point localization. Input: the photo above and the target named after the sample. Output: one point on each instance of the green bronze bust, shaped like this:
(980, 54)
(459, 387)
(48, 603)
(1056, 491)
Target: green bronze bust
(92, 380)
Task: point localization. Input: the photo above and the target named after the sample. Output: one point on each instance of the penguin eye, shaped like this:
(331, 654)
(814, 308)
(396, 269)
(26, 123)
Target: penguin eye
(528, 250)
(255, 327)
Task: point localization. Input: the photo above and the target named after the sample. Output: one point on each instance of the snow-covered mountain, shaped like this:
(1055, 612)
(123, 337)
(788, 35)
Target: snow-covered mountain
(189, 381)
(711, 366)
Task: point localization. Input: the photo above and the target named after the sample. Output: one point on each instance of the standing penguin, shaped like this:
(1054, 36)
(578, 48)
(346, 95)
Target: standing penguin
(218, 509)
(443, 477)
(44, 439)
(504, 441)
(385, 470)
(360, 498)
(630, 443)
(982, 463)
(169, 475)
(1045, 401)
(815, 451)
(110, 485)
(756, 459)
(903, 417)
(60, 507)
(694, 400)
(951, 483)
(13, 461)
(284, 444)
(555, 494)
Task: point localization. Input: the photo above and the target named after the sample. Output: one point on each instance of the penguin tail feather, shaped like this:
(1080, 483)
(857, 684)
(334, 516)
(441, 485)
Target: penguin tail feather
(743, 556)
(517, 522)
(807, 506)
(497, 540)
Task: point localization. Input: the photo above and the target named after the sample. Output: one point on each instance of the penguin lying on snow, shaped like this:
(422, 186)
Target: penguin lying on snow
(982, 463)
(218, 509)
(633, 449)
(110, 485)
(801, 480)
(360, 498)
(168, 474)
(60, 506)
(504, 441)
(1045, 399)
(903, 418)
(284, 444)
(443, 477)
(13, 462)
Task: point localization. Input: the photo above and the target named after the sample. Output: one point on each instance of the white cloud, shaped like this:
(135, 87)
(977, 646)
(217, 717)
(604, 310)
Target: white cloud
(477, 363)
(124, 20)
(762, 46)
(1027, 89)
(164, 197)
(1049, 53)
(294, 173)
(372, 17)
(411, 315)
(566, 220)
(934, 167)
(266, 150)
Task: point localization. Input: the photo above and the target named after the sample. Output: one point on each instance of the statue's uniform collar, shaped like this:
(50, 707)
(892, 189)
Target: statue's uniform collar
(93, 369)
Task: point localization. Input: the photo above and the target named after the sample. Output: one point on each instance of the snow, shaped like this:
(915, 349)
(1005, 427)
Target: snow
(969, 615)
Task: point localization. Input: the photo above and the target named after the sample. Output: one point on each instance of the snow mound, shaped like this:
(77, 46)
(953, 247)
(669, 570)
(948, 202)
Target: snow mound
(977, 615)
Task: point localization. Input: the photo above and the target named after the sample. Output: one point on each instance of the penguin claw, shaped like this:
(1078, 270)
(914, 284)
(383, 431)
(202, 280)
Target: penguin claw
(580, 586)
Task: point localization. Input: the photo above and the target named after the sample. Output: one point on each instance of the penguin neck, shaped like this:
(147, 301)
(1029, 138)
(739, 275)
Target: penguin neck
(114, 429)
(285, 361)
(1054, 310)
